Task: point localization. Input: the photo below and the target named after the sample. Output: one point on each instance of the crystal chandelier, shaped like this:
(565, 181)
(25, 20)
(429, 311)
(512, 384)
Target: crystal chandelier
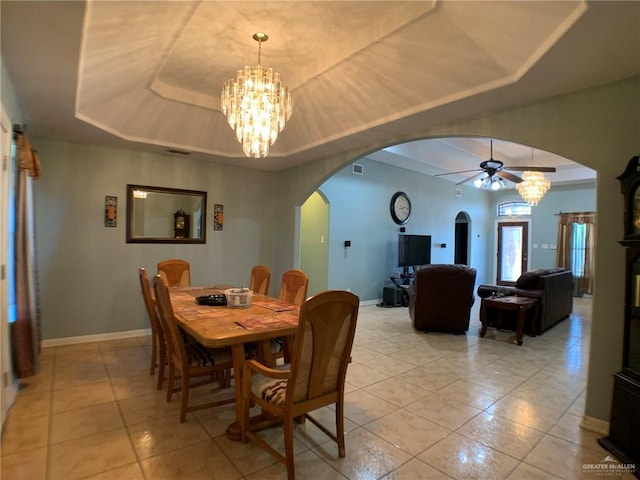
(256, 105)
(533, 187)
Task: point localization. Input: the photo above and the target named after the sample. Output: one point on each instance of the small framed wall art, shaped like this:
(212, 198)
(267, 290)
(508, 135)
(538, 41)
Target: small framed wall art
(110, 211)
(218, 216)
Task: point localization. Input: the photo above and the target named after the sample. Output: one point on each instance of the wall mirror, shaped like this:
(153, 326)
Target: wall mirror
(165, 215)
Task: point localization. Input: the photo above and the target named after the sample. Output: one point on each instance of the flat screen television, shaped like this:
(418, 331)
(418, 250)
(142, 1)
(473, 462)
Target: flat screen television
(414, 250)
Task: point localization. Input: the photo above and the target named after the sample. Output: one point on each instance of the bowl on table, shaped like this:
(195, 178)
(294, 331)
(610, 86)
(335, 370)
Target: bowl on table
(238, 297)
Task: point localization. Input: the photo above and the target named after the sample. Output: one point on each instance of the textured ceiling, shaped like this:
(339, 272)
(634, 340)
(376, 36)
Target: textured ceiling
(448, 156)
(148, 74)
(143, 82)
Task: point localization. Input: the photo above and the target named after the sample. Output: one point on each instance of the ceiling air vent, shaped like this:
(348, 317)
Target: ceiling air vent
(177, 151)
(357, 169)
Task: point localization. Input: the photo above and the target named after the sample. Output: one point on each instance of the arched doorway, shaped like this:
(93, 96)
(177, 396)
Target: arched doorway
(461, 254)
(314, 241)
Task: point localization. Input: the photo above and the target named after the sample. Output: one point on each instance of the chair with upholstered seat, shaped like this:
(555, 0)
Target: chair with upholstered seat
(259, 284)
(315, 378)
(260, 279)
(192, 359)
(293, 289)
(178, 272)
(158, 347)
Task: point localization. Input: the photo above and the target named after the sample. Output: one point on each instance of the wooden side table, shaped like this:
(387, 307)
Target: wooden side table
(520, 304)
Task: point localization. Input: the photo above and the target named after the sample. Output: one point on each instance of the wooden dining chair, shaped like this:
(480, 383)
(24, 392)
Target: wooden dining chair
(315, 378)
(158, 345)
(191, 358)
(260, 279)
(178, 272)
(293, 288)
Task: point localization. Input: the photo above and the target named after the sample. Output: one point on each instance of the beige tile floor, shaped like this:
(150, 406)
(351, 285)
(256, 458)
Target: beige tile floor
(418, 406)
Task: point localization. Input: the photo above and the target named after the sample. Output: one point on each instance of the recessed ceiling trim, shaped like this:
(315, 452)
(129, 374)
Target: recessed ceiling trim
(133, 81)
(172, 92)
(553, 38)
(177, 151)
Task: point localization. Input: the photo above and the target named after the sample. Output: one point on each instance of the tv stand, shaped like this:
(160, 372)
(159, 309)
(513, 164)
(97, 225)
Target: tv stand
(391, 296)
(395, 296)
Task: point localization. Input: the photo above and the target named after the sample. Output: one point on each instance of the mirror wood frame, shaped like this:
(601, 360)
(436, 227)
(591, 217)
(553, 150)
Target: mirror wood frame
(133, 237)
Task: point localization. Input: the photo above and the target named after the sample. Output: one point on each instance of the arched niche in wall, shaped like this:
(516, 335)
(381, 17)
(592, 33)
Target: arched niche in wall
(462, 238)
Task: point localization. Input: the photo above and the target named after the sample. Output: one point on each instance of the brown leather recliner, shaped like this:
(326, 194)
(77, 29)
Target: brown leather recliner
(441, 298)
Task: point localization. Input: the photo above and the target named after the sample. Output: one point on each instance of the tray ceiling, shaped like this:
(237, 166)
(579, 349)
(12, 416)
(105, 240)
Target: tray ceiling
(148, 74)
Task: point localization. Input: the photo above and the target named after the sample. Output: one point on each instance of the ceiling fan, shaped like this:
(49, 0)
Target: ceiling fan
(492, 168)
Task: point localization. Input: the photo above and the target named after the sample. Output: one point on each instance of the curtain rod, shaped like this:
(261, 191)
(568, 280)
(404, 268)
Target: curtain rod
(572, 213)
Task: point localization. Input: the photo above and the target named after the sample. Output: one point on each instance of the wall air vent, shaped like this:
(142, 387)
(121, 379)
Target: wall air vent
(458, 192)
(177, 151)
(357, 169)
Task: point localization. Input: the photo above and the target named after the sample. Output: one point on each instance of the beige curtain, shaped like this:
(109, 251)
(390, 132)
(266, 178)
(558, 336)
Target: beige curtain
(565, 234)
(25, 331)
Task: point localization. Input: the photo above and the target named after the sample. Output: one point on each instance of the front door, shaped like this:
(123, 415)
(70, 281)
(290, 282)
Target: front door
(512, 251)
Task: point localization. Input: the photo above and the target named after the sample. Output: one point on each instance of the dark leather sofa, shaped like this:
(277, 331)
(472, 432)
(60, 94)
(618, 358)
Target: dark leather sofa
(552, 287)
(441, 297)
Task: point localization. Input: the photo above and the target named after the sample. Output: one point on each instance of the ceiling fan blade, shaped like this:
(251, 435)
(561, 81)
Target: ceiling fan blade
(455, 173)
(509, 176)
(531, 168)
(470, 179)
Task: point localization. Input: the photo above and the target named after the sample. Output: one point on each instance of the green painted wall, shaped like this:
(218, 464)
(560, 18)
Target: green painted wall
(314, 242)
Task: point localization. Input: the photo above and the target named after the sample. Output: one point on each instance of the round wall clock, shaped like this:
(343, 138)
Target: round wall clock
(400, 208)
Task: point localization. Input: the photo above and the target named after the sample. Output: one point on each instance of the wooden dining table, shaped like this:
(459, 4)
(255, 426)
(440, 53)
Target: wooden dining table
(224, 326)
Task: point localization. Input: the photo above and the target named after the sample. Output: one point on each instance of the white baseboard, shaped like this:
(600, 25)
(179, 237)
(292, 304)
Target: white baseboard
(100, 337)
(595, 425)
(370, 302)
(57, 342)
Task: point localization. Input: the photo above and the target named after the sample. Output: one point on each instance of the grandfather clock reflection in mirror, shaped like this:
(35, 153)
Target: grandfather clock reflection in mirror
(181, 224)
(624, 431)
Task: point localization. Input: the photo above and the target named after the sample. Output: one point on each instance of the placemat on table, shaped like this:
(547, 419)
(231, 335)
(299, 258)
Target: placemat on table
(283, 320)
(201, 313)
(276, 305)
(182, 297)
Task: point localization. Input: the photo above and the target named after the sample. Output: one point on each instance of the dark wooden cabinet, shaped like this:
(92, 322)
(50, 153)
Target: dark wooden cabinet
(624, 431)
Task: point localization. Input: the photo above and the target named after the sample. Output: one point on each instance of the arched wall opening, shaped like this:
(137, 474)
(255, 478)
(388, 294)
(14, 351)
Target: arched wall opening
(462, 239)
(360, 214)
(598, 128)
(314, 241)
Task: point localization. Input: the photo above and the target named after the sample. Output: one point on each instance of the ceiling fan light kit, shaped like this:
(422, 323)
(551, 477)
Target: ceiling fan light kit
(491, 182)
(493, 174)
(257, 105)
